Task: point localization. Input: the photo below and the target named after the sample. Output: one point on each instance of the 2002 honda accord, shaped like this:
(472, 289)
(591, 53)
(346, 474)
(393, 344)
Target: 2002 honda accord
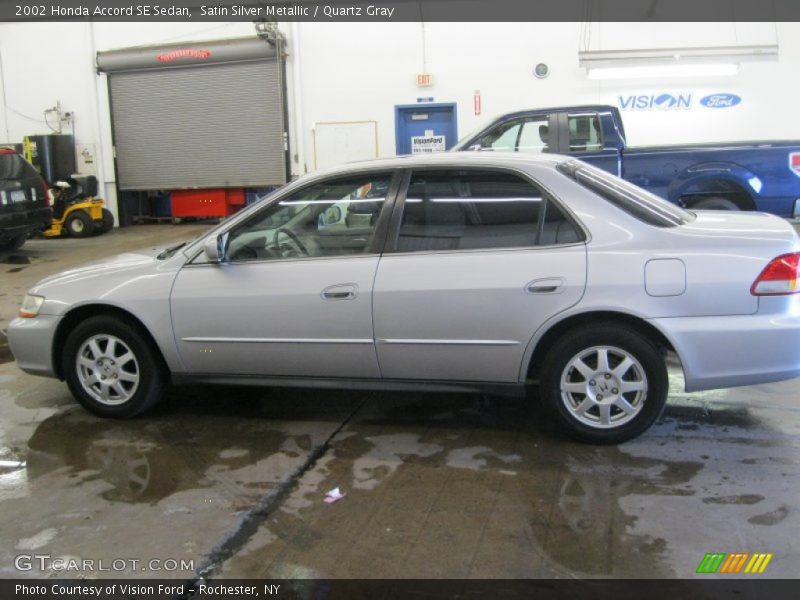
(451, 272)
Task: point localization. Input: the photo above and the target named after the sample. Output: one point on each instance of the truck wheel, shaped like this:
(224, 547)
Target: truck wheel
(80, 224)
(106, 225)
(716, 203)
(604, 384)
(111, 368)
(14, 243)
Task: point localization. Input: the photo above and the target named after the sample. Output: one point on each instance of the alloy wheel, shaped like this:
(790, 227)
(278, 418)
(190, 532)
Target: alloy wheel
(603, 387)
(107, 369)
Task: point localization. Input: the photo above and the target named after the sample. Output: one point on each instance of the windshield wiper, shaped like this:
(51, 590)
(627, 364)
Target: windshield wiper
(170, 251)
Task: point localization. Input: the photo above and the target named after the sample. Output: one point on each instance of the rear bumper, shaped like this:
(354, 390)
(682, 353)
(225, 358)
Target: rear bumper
(34, 220)
(31, 342)
(731, 351)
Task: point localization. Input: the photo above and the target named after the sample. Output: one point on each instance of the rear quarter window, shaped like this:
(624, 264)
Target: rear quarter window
(632, 199)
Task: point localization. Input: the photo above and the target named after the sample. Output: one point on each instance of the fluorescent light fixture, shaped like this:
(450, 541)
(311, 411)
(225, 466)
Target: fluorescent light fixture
(672, 62)
(658, 71)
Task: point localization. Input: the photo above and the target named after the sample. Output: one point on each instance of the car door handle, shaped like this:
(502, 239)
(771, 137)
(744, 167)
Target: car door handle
(551, 285)
(340, 292)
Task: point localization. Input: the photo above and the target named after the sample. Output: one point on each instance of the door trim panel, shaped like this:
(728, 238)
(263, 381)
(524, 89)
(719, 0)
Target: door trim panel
(450, 342)
(240, 340)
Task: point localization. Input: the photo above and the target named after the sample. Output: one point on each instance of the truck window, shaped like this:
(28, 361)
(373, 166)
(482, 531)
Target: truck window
(584, 133)
(530, 134)
(632, 199)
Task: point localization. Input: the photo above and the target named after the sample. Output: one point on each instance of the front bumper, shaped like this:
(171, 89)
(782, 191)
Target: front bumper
(31, 342)
(731, 351)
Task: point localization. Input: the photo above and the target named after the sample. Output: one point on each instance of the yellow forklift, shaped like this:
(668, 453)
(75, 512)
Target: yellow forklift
(76, 210)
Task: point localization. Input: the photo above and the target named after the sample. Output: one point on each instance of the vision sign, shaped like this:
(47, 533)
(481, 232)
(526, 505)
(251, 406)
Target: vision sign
(676, 101)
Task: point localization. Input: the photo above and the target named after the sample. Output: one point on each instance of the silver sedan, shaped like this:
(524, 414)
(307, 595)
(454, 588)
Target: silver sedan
(448, 272)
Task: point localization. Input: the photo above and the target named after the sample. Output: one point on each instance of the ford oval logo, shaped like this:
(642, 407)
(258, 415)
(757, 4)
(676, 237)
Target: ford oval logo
(720, 100)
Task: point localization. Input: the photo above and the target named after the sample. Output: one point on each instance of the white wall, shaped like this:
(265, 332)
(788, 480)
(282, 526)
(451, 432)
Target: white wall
(344, 72)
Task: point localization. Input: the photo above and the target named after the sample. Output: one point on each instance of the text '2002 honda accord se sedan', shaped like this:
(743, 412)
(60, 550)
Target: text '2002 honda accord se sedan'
(450, 272)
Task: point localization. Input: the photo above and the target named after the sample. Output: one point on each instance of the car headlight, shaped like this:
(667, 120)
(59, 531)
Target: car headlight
(31, 305)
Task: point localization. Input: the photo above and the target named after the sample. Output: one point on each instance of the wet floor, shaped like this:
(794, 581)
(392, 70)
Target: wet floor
(232, 481)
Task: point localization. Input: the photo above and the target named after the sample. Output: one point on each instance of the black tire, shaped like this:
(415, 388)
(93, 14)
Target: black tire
(14, 243)
(106, 225)
(79, 224)
(716, 203)
(619, 340)
(152, 376)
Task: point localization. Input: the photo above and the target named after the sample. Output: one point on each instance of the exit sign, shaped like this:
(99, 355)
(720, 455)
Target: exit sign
(424, 79)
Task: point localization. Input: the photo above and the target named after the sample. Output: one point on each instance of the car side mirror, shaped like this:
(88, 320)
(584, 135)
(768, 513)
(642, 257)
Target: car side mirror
(215, 247)
(477, 148)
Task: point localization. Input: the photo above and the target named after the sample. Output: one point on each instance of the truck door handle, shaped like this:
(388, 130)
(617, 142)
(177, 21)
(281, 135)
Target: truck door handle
(551, 285)
(340, 292)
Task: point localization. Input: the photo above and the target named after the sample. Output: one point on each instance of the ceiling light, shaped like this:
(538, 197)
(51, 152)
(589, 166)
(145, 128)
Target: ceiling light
(672, 62)
(658, 71)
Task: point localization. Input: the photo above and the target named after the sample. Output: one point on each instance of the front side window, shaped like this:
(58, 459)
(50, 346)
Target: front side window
(471, 209)
(331, 218)
(531, 134)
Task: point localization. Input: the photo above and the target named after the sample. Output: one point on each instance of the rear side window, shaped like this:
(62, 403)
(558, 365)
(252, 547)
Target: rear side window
(584, 133)
(469, 210)
(632, 199)
(13, 167)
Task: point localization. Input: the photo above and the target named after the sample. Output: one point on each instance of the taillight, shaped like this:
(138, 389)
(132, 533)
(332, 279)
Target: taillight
(48, 200)
(779, 277)
(794, 162)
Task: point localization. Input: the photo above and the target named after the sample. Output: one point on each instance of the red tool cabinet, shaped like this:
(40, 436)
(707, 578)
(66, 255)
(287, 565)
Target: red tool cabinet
(207, 203)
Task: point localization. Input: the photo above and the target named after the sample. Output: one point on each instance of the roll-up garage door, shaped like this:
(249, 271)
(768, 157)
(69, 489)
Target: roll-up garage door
(199, 115)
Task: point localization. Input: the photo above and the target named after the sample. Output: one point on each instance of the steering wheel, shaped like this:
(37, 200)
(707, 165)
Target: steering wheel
(292, 236)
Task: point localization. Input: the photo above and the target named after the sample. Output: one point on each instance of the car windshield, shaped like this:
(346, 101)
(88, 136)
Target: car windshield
(632, 199)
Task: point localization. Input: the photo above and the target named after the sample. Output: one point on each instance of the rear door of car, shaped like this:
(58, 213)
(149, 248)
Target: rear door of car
(476, 261)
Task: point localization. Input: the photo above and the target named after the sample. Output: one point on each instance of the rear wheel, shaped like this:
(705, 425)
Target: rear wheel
(111, 368)
(106, 225)
(716, 203)
(80, 224)
(14, 243)
(604, 384)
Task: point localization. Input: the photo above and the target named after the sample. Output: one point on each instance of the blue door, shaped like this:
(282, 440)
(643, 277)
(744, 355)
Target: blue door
(425, 128)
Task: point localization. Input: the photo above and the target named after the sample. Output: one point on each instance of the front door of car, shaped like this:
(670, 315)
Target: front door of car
(293, 294)
(476, 262)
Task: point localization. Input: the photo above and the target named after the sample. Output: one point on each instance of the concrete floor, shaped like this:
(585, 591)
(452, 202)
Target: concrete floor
(443, 485)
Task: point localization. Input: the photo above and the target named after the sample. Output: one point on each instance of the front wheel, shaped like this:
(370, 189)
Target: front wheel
(604, 384)
(80, 224)
(111, 368)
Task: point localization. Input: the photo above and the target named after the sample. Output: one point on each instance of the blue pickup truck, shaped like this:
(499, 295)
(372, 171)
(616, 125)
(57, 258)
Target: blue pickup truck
(762, 176)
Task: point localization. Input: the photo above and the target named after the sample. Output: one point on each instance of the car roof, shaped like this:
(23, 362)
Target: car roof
(449, 159)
